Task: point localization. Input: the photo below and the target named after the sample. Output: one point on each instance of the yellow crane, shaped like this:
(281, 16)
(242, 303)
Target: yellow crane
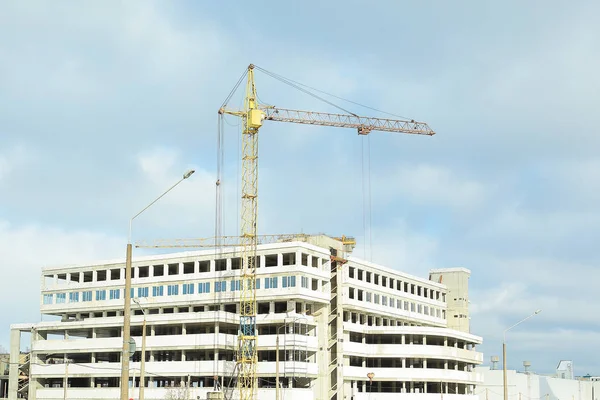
(253, 114)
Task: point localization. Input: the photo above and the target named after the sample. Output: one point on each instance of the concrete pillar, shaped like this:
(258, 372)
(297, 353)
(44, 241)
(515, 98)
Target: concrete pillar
(13, 374)
(279, 260)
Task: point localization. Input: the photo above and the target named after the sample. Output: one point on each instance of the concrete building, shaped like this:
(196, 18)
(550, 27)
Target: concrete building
(348, 329)
(531, 386)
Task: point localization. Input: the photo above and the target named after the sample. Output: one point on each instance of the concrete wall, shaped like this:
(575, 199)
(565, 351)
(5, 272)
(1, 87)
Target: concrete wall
(522, 386)
(457, 282)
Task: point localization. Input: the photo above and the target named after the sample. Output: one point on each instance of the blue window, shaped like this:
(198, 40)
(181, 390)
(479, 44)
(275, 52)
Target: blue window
(188, 288)
(73, 297)
(87, 296)
(204, 287)
(220, 286)
(288, 281)
(258, 283)
(100, 295)
(115, 294)
(304, 282)
(131, 293)
(48, 298)
(173, 290)
(142, 292)
(60, 298)
(271, 283)
(158, 291)
(234, 285)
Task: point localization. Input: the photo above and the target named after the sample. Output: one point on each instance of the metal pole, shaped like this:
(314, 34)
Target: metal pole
(505, 385)
(143, 363)
(127, 297)
(504, 370)
(277, 367)
(66, 382)
(126, 327)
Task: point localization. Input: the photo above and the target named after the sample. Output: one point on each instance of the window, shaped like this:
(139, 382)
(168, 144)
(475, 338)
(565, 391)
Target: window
(399, 303)
(271, 283)
(234, 285)
(100, 295)
(131, 293)
(73, 297)
(288, 281)
(114, 294)
(142, 292)
(368, 297)
(60, 298)
(188, 288)
(376, 299)
(48, 299)
(304, 282)
(158, 291)
(258, 283)
(173, 290)
(220, 286)
(87, 295)
(204, 287)
(384, 300)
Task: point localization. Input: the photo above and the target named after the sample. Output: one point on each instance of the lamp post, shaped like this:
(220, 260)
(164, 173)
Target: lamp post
(505, 386)
(143, 361)
(127, 298)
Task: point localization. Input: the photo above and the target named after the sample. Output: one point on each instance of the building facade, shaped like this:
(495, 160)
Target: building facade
(345, 328)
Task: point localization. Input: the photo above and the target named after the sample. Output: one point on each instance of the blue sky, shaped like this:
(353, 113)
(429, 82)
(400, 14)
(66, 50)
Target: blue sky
(104, 105)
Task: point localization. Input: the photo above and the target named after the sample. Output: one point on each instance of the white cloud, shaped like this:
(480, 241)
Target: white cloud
(13, 158)
(27, 248)
(400, 248)
(125, 43)
(432, 184)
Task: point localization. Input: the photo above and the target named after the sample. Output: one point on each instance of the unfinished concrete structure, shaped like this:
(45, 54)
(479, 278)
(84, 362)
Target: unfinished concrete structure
(347, 328)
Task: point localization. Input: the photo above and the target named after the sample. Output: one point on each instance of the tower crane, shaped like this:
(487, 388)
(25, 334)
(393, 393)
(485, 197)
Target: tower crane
(253, 115)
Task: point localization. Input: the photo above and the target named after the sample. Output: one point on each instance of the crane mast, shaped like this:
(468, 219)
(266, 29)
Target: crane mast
(247, 356)
(252, 117)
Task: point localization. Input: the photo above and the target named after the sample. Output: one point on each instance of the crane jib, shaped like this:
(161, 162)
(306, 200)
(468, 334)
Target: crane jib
(364, 125)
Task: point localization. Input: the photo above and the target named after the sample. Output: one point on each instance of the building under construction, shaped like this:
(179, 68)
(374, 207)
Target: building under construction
(328, 326)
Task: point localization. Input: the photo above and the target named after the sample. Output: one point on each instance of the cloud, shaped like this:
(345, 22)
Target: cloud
(397, 247)
(12, 159)
(429, 184)
(27, 248)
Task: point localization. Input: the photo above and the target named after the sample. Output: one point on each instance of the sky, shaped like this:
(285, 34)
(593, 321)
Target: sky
(104, 105)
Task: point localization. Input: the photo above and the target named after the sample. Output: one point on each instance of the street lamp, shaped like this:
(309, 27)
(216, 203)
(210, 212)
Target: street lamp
(143, 361)
(127, 298)
(504, 351)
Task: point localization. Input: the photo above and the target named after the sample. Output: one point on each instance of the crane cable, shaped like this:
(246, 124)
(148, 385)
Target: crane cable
(289, 81)
(297, 86)
(366, 178)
